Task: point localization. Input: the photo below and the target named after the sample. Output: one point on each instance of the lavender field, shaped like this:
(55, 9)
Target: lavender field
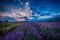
(34, 31)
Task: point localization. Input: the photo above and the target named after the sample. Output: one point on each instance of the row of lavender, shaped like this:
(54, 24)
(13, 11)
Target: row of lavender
(50, 30)
(34, 31)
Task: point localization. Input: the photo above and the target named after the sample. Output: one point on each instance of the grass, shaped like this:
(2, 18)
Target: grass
(2, 26)
(6, 27)
(57, 29)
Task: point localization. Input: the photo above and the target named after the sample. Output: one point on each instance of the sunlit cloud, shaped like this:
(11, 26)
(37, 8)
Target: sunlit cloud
(44, 17)
(16, 13)
(23, 11)
(27, 3)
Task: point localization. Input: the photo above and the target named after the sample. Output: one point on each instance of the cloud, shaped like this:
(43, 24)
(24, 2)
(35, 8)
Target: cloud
(25, 13)
(44, 17)
(21, 15)
(16, 13)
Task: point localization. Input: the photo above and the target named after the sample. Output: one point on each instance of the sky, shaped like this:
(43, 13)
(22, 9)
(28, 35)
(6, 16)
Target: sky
(29, 10)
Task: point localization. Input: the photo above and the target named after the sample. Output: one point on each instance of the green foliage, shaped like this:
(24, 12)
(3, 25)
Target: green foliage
(4, 25)
(31, 36)
(57, 29)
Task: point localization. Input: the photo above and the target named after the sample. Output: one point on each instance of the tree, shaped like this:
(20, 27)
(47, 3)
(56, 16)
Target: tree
(6, 21)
